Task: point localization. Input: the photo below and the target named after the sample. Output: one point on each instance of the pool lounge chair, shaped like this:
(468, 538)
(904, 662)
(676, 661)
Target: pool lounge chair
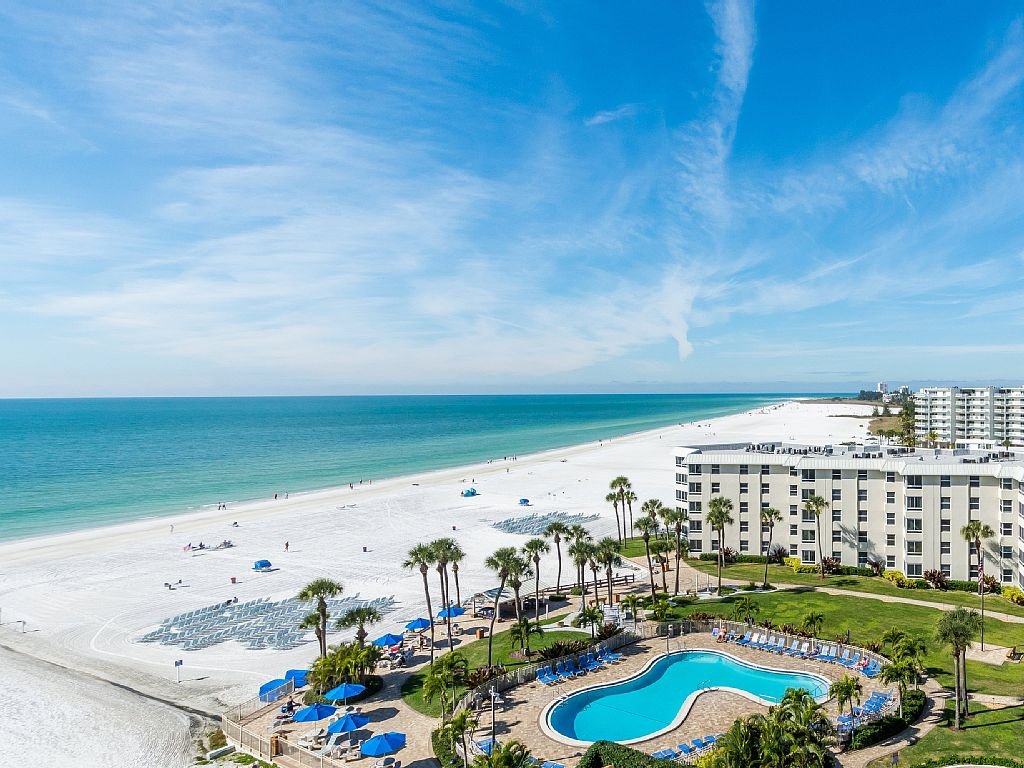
(845, 658)
(562, 673)
(571, 668)
(716, 632)
(551, 764)
(850, 663)
(545, 677)
(665, 754)
(805, 651)
(590, 663)
(758, 641)
(607, 654)
(699, 744)
(823, 654)
(793, 649)
(685, 749)
(779, 646)
(743, 640)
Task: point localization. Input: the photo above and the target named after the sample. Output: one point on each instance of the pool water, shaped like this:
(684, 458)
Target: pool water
(658, 698)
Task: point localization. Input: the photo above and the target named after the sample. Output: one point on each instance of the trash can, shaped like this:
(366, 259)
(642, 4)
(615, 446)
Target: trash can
(481, 633)
(275, 745)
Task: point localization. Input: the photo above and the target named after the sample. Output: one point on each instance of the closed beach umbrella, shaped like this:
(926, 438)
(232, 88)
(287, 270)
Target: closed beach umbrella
(348, 723)
(382, 744)
(343, 691)
(417, 624)
(451, 612)
(386, 641)
(313, 713)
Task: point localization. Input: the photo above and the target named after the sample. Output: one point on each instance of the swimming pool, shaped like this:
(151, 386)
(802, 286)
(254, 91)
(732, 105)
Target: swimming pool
(658, 698)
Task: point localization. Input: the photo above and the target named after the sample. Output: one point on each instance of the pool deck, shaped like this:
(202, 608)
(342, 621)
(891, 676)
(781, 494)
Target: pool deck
(712, 712)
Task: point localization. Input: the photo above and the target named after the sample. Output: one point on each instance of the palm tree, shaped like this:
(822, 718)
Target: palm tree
(594, 568)
(956, 629)
(913, 650)
(769, 517)
(932, 437)
(577, 535)
(613, 499)
(518, 570)
(646, 525)
(457, 729)
(359, 618)
(420, 558)
(900, 671)
(580, 552)
(533, 549)
(444, 678)
(519, 633)
(675, 517)
(511, 754)
(321, 590)
(500, 562)
(620, 486)
(719, 509)
(631, 603)
(629, 497)
(745, 609)
(816, 505)
(975, 533)
(456, 555)
(555, 531)
(813, 622)
(608, 556)
(442, 549)
(660, 610)
(806, 726)
(893, 636)
(660, 550)
(589, 616)
(846, 690)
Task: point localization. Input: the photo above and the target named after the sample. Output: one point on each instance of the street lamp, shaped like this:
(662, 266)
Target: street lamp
(494, 698)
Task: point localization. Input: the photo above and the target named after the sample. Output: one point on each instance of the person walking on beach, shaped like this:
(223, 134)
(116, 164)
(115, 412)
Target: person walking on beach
(286, 546)
(172, 527)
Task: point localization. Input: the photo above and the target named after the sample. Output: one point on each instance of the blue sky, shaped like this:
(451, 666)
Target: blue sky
(261, 198)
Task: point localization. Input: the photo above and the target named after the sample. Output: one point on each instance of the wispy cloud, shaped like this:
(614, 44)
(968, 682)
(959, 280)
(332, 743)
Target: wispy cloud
(612, 115)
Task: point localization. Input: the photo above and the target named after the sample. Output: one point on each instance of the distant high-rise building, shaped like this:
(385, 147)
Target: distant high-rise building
(970, 413)
(882, 387)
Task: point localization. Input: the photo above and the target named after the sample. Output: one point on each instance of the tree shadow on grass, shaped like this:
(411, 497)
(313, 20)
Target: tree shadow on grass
(1018, 710)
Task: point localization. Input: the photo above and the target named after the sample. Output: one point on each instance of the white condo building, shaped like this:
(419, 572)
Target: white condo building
(901, 506)
(975, 413)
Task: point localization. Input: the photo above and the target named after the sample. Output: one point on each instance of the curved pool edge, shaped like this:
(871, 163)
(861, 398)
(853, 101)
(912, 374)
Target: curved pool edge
(684, 709)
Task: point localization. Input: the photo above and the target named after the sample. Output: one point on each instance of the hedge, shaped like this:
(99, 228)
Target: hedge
(443, 751)
(374, 684)
(712, 557)
(603, 753)
(942, 762)
(890, 725)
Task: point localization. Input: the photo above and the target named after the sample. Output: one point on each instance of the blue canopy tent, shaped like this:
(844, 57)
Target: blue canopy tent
(297, 675)
(273, 690)
(451, 612)
(388, 640)
(261, 565)
(524, 502)
(469, 492)
(382, 744)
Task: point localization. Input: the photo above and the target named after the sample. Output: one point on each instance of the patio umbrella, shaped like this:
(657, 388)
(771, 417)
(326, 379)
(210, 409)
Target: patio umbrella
(382, 744)
(451, 612)
(313, 713)
(417, 624)
(343, 691)
(386, 641)
(348, 723)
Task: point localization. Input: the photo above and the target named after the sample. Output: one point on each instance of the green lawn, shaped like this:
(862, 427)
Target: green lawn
(782, 574)
(988, 733)
(868, 619)
(476, 653)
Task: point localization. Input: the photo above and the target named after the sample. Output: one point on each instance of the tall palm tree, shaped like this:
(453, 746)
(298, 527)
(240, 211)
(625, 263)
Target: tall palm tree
(518, 570)
(769, 517)
(719, 516)
(900, 671)
(665, 517)
(629, 497)
(608, 556)
(500, 562)
(555, 531)
(957, 629)
(846, 690)
(456, 554)
(580, 551)
(620, 486)
(594, 568)
(321, 590)
(613, 499)
(533, 549)
(659, 551)
(519, 633)
(420, 558)
(913, 650)
(442, 549)
(675, 518)
(359, 618)
(975, 533)
(646, 524)
(461, 725)
(816, 505)
(813, 622)
(578, 534)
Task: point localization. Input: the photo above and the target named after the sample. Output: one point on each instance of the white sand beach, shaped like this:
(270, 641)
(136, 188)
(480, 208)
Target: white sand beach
(86, 597)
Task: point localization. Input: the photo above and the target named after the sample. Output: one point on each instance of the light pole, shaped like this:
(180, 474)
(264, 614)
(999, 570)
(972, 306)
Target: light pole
(494, 697)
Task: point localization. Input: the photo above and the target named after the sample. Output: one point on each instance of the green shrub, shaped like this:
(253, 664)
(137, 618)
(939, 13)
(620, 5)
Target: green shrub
(443, 750)
(792, 562)
(602, 753)
(557, 597)
(890, 725)
(896, 577)
(217, 740)
(1014, 595)
(712, 557)
(962, 586)
(942, 762)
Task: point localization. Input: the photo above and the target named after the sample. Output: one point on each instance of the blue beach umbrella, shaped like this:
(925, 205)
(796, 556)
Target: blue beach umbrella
(382, 744)
(313, 713)
(343, 691)
(386, 641)
(348, 723)
(451, 612)
(417, 624)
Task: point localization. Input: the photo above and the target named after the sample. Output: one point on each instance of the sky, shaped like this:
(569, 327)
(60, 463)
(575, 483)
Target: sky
(329, 198)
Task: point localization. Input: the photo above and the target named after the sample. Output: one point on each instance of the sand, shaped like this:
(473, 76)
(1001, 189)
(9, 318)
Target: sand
(85, 597)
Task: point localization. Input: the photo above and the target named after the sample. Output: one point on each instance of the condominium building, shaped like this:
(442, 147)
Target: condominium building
(903, 507)
(975, 413)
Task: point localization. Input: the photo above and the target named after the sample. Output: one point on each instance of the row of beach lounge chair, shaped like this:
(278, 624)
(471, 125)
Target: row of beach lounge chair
(568, 669)
(766, 641)
(687, 751)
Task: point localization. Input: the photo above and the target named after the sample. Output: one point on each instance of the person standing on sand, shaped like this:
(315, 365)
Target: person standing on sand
(172, 527)
(286, 546)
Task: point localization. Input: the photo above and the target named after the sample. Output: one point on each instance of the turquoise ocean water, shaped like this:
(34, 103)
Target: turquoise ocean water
(71, 464)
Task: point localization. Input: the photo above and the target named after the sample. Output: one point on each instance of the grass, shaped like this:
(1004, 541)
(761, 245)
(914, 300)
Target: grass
(783, 574)
(988, 733)
(867, 620)
(476, 653)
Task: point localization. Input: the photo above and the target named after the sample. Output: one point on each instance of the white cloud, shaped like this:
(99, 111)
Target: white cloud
(612, 115)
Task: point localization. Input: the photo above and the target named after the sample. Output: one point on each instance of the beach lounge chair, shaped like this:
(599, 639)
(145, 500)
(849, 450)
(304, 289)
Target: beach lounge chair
(805, 651)
(777, 646)
(609, 656)
(758, 640)
(699, 744)
(851, 663)
(844, 658)
(793, 649)
(570, 667)
(743, 640)
(665, 754)
(545, 677)
(551, 764)
(589, 663)
(562, 672)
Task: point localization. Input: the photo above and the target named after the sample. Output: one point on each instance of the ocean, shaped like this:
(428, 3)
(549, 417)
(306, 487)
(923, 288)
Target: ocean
(79, 463)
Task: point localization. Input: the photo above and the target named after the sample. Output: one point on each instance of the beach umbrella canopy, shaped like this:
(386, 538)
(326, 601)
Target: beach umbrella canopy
(382, 744)
(344, 690)
(313, 713)
(348, 723)
(451, 612)
(386, 641)
(271, 691)
(418, 624)
(298, 676)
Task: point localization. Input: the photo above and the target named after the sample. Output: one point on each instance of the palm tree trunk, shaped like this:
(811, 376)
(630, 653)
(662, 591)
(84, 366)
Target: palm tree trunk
(963, 683)
(767, 550)
(609, 571)
(650, 568)
(956, 688)
(721, 557)
(597, 595)
(679, 554)
(536, 589)
(617, 527)
(444, 601)
(558, 579)
(664, 580)
(490, 633)
(430, 611)
(821, 552)
(458, 592)
(321, 606)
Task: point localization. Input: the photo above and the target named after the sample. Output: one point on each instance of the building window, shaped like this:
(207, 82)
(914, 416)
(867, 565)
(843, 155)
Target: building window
(716, 487)
(862, 515)
(680, 494)
(862, 474)
(680, 478)
(807, 555)
(890, 561)
(1007, 575)
(764, 505)
(944, 481)
(793, 509)
(890, 539)
(696, 545)
(890, 497)
(914, 570)
(914, 525)
(837, 515)
(862, 559)
(696, 526)
(743, 487)
(744, 526)
(836, 554)
(890, 477)
(837, 474)
(837, 536)
(862, 537)
(1007, 484)
(806, 494)
(914, 548)
(807, 475)
(837, 494)
(792, 490)
(744, 545)
(794, 530)
(807, 516)
(807, 536)
(944, 502)
(765, 469)
(974, 504)
(890, 518)
(862, 494)
(744, 469)
(1006, 529)
(793, 549)
(1006, 552)
(716, 469)
(744, 507)
(1006, 506)
(694, 469)
(913, 481)
(765, 488)
(944, 548)
(947, 571)
(914, 502)
(695, 487)
(792, 473)
(975, 481)
(944, 526)
(714, 545)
